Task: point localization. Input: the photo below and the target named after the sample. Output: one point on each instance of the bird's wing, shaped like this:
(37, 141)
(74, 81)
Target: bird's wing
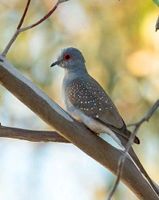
(90, 98)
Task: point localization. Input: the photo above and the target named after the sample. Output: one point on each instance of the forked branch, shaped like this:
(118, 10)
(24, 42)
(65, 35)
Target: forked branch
(24, 14)
(21, 29)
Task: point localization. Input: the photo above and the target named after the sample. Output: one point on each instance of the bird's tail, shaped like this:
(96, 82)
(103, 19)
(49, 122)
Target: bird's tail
(124, 133)
(123, 136)
(136, 139)
(137, 161)
(142, 170)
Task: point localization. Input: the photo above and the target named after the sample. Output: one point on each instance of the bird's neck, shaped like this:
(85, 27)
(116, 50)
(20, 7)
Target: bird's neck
(76, 70)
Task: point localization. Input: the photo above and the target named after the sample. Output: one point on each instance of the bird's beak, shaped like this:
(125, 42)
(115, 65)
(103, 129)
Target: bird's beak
(55, 63)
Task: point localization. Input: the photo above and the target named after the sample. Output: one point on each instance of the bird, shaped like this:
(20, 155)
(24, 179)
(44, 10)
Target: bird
(87, 102)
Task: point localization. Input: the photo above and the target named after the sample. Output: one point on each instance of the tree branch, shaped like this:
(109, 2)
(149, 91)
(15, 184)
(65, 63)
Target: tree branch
(129, 144)
(20, 30)
(24, 14)
(31, 135)
(73, 131)
(147, 117)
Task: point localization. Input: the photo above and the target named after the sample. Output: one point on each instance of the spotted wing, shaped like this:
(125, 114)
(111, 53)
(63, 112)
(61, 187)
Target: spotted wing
(89, 97)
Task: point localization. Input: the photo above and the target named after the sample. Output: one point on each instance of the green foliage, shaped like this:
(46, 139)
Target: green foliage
(156, 2)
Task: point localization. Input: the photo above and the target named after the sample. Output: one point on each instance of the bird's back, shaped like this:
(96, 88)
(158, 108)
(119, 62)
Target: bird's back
(84, 94)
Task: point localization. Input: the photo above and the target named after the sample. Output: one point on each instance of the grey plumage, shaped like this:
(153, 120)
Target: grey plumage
(87, 96)
(87, 102)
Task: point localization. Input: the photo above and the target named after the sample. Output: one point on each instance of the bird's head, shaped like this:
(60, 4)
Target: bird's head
(70, 58)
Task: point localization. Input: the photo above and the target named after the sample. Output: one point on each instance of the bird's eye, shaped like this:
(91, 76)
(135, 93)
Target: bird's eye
(67, 57)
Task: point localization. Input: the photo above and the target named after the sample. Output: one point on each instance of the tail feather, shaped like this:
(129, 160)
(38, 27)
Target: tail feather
(124, 133)
(136, 139)
(143, 171)
(137, 162)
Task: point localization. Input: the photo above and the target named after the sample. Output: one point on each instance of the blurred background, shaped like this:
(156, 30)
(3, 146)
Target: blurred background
(121, 49)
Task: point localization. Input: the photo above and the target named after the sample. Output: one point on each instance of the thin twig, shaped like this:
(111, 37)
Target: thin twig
(122, 160)
(20, 30)
(5, 51)
(40, 20)
(157, 24)
(128, 146)
(31, 135)
(147, 117)
(24, 14)
(44, 17)
(15, 35)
